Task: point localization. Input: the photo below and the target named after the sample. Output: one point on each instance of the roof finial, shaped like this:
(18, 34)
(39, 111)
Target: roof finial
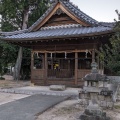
(55, 1)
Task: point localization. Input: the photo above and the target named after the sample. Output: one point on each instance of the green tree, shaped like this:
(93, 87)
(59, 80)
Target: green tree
(110, 53)
(15, 15)
(8, 55)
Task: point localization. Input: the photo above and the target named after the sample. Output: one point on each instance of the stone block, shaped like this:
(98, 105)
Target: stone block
(85, 83)
(108, 98)
(104, 114)
(94, 96)
(98, 112)
(103, 104)
(101, 97)
(107, 118)
(83, 102)
(32, 84)
(86, 96)
(88, 112)
(83, 117)
(94, 115)
(110, 104)
(81, 95)
(57, 87)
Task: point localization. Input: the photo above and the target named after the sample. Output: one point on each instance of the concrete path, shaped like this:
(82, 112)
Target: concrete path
(43, 90)
(27, 108)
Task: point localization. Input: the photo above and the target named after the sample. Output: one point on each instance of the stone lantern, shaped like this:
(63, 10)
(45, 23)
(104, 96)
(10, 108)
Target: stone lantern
(94, 83)
(94, 89)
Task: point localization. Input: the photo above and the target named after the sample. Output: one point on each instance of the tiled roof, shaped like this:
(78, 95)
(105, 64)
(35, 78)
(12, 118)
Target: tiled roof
(63, 30)
(13, 33)
(60, 31)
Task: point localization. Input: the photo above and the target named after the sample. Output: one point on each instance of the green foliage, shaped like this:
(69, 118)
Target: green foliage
(8, 54)
(12, 12)
(26, 62)
(110, 53)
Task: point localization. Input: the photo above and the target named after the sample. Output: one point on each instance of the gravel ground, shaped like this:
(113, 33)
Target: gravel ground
(70, 110)
(10, 83)
(67, 110)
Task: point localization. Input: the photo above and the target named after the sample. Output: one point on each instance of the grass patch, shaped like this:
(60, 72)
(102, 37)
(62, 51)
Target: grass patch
(67, 110)
(117, 106)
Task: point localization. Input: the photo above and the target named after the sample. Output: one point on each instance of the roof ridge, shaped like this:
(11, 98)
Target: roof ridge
(89, 19)
(13, 33)
(61, 26)
(108, 24)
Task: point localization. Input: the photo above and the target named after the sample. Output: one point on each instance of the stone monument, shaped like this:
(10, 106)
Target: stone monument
(93, 112)
(94, 91)
(96, 88)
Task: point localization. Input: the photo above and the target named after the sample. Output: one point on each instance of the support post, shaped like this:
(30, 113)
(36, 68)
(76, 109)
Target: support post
(93, 55)
(76, 68)
(32, 64)
(45, 80)
(98, 62)
(32, 60)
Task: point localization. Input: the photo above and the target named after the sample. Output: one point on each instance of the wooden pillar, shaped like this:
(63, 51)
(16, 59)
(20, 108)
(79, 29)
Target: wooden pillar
(46, 67)
(32, 60)
(93, 55)
(76, 68)
(32, 64)
(98, 62)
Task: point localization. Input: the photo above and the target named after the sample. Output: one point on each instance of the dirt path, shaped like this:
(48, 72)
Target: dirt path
(7, 97)
(10, 83)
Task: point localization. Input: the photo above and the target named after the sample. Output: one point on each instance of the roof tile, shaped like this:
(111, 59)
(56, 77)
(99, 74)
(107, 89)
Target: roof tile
(60, 31)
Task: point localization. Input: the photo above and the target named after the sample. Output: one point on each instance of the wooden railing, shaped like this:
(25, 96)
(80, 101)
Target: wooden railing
(82, 73)
(60, 73)
(37, 74)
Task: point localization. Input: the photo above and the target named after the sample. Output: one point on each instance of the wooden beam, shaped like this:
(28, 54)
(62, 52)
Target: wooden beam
(66, 11)
(73, 16)
(47, 17)
(67, 51)
(46, 67)
(93, 55)
(76, 67)
(32, 63)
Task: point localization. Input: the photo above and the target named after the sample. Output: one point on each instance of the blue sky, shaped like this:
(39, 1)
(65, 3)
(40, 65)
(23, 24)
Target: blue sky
(101, 10)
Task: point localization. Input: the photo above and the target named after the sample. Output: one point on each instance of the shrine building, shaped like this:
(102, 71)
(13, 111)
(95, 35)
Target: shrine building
(63, 42)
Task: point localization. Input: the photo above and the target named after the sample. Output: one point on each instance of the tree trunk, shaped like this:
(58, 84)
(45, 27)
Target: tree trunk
(18, 65)
(20, 53)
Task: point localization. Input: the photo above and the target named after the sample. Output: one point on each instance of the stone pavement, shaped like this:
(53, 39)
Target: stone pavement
(27, 108)
(43, 90)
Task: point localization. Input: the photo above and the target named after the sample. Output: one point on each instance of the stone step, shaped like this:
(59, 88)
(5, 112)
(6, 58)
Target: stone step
(57, 87)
